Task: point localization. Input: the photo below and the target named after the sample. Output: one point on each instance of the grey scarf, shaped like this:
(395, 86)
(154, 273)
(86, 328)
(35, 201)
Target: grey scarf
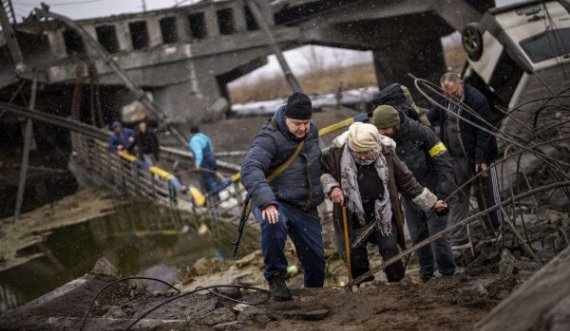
(349, 184)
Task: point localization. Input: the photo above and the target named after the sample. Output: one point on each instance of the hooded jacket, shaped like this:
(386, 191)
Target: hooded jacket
(299, 185)
(401, 180)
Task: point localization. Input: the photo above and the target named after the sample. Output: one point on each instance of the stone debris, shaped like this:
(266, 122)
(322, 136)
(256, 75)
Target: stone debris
(205, 266)
(163, 272)
(230, 326)
(115, 312)
(311, 315)
(257, 315)
(218, 316)
(104, 268)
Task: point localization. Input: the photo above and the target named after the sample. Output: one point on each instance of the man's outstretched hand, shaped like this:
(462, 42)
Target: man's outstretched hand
(440, 206)
(270, 214)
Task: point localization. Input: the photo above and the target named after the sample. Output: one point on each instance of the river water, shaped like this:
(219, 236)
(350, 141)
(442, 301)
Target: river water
(134, 238)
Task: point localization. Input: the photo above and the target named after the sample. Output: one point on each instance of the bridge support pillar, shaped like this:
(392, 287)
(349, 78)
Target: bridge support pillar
(184, 102)
(420, 55)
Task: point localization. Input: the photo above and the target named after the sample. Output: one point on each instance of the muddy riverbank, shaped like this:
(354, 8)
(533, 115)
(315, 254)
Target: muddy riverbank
(451, 303)
(60, 242)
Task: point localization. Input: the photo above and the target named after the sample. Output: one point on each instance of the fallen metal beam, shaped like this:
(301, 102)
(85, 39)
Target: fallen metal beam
(26, 153)
(58, 121)
(258, 15)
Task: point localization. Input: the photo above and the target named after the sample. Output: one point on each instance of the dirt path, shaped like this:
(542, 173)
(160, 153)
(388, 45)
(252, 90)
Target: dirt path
(454, 303)
(451, 303)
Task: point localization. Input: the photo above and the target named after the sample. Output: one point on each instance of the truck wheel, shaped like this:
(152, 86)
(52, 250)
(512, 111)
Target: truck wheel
(472, 41)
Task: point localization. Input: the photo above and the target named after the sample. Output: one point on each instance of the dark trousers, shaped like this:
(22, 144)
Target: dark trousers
(304, 229)
(208, 173)
(388, 247)
(423, 225)
(487, 193)
(209, 179)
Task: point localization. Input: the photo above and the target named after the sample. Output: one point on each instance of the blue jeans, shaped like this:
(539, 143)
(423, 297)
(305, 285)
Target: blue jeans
(304, 229)
(423, 225)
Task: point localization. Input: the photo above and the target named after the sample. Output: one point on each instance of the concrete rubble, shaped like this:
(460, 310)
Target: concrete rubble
(444, 303)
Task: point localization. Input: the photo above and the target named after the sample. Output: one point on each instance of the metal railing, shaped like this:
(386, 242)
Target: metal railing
(124, 173)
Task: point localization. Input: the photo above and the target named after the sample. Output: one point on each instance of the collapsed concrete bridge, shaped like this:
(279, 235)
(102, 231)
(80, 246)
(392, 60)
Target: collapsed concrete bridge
(186, 56)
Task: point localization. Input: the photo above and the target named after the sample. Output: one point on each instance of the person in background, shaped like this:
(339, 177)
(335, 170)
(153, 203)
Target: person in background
(147, 144)
(204, 160)
(122, 138)
(472, 148)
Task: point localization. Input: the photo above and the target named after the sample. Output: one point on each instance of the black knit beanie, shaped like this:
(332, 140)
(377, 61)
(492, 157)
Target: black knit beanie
(299, 107)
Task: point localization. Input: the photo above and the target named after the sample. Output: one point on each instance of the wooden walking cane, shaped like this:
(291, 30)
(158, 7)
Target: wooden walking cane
(346, 243)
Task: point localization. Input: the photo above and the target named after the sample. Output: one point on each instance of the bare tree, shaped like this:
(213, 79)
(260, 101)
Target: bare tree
(314, 61)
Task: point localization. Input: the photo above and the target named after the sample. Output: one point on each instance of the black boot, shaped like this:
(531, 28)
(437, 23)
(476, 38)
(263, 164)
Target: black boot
(278, 288)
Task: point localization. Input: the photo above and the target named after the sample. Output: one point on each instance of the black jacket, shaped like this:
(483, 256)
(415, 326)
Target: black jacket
(147, 143)
(425, 155)
(299, 185)
(480, 147)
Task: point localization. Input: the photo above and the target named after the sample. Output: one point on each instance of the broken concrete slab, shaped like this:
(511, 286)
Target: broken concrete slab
(311, 315)
(162, 272)
(205, 266)
(96, 324)
(256, 314)
(218, 316)
(230, 326)
(544, 297)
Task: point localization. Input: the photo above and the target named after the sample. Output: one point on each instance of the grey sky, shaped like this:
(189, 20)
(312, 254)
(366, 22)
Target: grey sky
(79, 9)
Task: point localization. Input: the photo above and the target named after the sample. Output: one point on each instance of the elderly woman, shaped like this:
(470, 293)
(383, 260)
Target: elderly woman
(362, 173)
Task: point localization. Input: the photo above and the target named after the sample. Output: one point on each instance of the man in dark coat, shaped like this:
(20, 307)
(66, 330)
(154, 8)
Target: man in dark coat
(362, 172)
(147, 144)
(122, 138)
(473, 150)
(427, 157)
(288, 204)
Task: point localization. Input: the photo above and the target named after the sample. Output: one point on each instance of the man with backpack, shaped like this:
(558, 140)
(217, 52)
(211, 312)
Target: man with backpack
(281, 173)
(427, 157)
